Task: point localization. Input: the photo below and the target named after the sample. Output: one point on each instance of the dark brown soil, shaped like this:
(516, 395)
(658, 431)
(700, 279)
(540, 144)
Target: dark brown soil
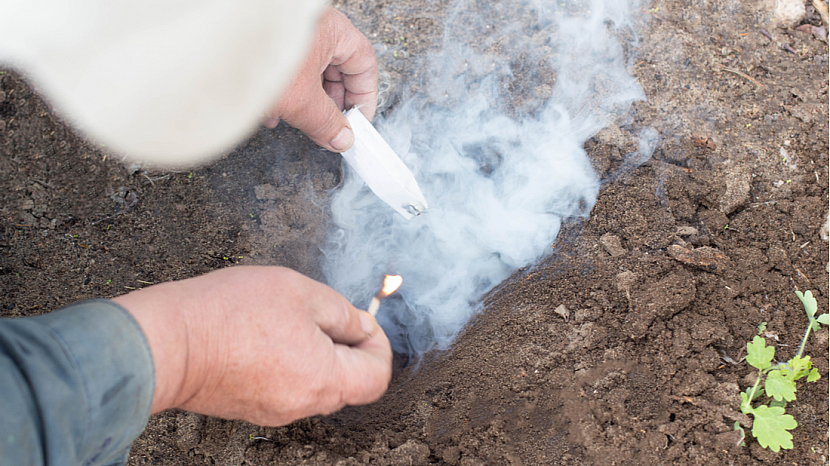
(662, 287)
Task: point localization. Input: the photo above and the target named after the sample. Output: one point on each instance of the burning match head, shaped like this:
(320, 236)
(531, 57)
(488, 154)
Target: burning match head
(390, 284)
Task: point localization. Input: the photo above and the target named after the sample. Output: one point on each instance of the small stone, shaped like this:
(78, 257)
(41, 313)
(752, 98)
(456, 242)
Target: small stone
(789, 12)
(686, 231)
(265, 192)
(563, 311)
(27, 204)
(611, 244)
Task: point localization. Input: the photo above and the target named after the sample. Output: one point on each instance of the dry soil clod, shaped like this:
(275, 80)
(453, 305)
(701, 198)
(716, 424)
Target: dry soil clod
(705, 258)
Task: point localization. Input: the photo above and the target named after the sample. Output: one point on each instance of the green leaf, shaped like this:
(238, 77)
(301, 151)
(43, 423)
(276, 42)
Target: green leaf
(758, 354)
(815, 326)
(814, 375)
(824, 319)
(770, 427)
(762, 327)
(779, 386)
(809, 302)
(798, 367)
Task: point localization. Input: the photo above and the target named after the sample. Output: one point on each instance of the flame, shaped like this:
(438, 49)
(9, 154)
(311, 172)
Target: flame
(390, 284)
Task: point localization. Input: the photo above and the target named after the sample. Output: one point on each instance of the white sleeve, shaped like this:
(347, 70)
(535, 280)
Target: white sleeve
(169, 83)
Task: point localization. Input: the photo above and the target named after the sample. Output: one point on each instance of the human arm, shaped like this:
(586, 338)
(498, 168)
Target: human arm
(263, 344)
(76, 384)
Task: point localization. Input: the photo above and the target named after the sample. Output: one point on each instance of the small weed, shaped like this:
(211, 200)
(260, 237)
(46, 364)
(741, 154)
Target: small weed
(770, 425)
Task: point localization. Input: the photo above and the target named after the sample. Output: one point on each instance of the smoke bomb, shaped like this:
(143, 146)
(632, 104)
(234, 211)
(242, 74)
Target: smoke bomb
(494, 138)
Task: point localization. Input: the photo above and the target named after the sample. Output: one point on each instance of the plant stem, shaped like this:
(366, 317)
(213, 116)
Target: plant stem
(804, 340)
(752, 393)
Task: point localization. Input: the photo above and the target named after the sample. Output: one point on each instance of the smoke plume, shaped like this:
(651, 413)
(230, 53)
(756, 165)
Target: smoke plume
(494, 136)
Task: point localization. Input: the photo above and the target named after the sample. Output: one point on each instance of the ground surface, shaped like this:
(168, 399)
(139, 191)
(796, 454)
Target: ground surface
(642, 366)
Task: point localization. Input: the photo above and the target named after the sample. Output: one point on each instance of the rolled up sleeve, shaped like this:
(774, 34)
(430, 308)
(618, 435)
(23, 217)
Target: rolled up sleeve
(76, 386)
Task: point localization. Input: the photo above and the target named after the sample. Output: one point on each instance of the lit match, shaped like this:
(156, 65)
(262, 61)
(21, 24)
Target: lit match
(390, 284)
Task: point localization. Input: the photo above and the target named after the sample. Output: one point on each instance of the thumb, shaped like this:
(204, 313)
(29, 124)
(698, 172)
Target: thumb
(320, 119)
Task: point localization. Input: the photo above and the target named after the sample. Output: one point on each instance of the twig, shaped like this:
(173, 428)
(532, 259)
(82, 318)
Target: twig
(148, 179)
(151, 180)
(743, 75)
(767, 34)
(107, 218)
(48, 185)
(803, 276)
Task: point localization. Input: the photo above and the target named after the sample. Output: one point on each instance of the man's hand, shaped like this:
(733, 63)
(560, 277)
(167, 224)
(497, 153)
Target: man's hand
(341, 72)
(262, 344)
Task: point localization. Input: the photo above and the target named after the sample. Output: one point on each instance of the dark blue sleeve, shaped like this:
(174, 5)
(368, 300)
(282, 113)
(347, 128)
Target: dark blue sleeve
(76, 386)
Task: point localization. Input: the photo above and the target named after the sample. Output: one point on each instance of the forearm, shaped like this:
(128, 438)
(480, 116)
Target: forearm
(167, 335)
(76, 384)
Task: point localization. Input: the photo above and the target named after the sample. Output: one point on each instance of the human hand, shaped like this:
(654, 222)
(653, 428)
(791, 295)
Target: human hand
(344, 61)
(263, 344)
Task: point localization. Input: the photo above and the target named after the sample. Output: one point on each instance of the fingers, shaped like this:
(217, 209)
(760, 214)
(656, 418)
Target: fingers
(321, 120)
(366, 370)
(345, 60)
(354, 64)
(341, 321)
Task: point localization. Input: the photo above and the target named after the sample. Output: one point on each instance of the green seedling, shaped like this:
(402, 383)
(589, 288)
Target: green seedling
(770, 425)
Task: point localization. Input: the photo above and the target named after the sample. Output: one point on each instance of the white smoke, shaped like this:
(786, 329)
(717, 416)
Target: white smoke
(497, 152)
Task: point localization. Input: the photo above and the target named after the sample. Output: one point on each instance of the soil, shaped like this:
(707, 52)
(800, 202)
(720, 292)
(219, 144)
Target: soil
(623, 347)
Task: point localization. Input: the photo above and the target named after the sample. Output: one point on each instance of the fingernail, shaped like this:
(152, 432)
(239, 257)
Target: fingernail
(343, 140)
(367, 323)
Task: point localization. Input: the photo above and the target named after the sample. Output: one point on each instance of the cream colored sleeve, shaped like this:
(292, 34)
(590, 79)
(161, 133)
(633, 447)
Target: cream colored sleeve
(169, 83)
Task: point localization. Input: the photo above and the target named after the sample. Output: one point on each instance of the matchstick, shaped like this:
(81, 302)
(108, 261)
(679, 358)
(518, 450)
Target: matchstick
(373, 306)
(390, 284)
